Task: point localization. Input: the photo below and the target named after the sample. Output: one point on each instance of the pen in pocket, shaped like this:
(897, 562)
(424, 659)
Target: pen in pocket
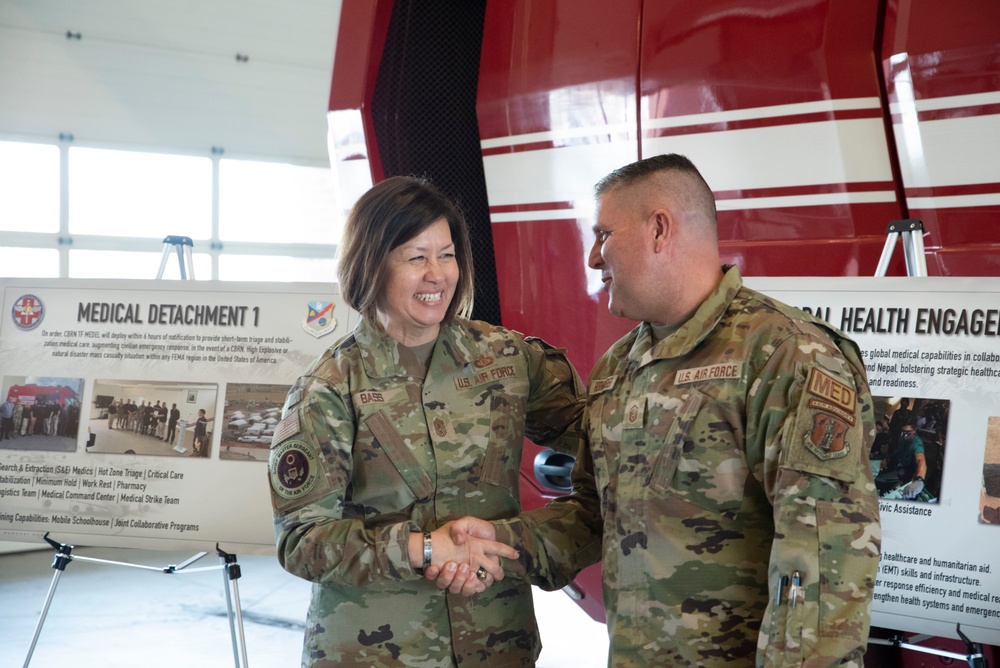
(782, 581)
(793, 590)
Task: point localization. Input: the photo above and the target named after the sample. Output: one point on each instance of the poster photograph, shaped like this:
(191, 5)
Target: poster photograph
(139, 417)
(251, 413)
(136, 403)
(931, 348)
(46, 413)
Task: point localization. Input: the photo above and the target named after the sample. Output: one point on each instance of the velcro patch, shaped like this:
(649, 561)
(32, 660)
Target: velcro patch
(293, 398)
(289, 426)
(821, 405)
(369, 397)
(483, 377)
(825, 386)
(827, 438)
(293, 469)
(723, 371)
(603, 385)
(634, 414)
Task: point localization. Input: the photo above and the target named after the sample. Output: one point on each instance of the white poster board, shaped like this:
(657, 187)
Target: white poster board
(931, 345)
(82, 464)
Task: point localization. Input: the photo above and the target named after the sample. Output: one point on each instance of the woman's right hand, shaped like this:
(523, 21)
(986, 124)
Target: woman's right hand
(468, 545)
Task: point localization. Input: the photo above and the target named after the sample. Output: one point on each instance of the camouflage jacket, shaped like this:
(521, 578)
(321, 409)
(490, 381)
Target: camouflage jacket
(727, 456)
(369, 449)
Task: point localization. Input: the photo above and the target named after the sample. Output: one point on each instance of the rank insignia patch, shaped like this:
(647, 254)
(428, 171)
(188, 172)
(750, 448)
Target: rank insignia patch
(634, 413)
(293, 469)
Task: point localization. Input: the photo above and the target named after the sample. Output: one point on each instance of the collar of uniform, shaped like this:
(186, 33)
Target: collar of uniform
(380, 352)
(696, 329)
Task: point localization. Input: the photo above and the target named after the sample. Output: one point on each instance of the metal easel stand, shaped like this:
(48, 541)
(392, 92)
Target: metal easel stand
(912, 231)
(974, 651)
(231, 570)
(231, 573)
(183, 246)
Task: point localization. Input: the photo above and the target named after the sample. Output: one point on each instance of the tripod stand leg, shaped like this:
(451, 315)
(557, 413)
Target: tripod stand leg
(41, 617)
(182, 246)
(883, 261)
(239, 620)
(912, 232)
(64, 555)
(230, 576)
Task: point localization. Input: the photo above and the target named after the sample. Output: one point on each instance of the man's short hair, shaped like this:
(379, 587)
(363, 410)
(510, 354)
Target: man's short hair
(637, 172)
(390, 214)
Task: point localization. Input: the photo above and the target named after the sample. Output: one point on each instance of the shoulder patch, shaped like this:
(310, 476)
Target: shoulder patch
(833, 390)
(293, 469)
(827, 438)
(288, 427)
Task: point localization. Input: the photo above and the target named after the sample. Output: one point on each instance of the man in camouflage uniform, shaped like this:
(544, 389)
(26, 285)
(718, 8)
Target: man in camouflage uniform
(728, 455)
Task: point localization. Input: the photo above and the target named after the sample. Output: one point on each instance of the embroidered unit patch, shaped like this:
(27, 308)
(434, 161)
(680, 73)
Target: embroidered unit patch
(293, 469)
(827, 438)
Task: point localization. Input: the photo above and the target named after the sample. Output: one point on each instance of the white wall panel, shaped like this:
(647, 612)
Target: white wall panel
(163, 74)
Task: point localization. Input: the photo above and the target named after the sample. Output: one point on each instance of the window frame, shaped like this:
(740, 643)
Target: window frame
(214, 247)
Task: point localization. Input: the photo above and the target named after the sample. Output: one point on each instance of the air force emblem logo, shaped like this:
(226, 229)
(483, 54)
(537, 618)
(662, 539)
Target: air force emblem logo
(319, 320)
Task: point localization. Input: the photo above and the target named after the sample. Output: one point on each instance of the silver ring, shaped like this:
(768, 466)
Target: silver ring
(482, 574)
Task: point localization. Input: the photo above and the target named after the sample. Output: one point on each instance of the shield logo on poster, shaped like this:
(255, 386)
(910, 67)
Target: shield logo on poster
(319, 320)
(27, 312)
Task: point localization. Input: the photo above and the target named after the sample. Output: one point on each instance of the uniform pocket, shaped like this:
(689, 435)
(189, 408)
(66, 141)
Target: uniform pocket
(844, 587)
(398, 453)
(700, 460)
(503, 453)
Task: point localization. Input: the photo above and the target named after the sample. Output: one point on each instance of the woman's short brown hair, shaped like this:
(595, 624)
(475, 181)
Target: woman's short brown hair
(390, 214)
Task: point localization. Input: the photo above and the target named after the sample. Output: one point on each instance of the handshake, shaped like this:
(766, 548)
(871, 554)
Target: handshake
(461, 556)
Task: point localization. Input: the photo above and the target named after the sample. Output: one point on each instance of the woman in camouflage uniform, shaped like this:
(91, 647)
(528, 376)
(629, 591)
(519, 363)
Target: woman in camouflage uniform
(415, 419)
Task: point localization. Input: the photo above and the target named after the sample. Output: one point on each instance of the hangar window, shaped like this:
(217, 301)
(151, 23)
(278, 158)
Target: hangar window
(95, 212)
(29, 187)
(137, 194)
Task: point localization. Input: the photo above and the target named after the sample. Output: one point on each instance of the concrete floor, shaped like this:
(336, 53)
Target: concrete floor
(112, 616)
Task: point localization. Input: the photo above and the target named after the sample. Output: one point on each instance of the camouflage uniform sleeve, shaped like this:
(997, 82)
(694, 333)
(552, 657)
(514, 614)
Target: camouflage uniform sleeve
(563, 537)
(809, 427)
(310, 470)
(556, 400)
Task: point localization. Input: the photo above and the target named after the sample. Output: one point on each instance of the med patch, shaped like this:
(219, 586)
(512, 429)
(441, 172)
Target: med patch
(831, 390)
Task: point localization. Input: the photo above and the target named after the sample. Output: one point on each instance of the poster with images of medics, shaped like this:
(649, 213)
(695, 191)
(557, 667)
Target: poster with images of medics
(931, 347)
(141, 412)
